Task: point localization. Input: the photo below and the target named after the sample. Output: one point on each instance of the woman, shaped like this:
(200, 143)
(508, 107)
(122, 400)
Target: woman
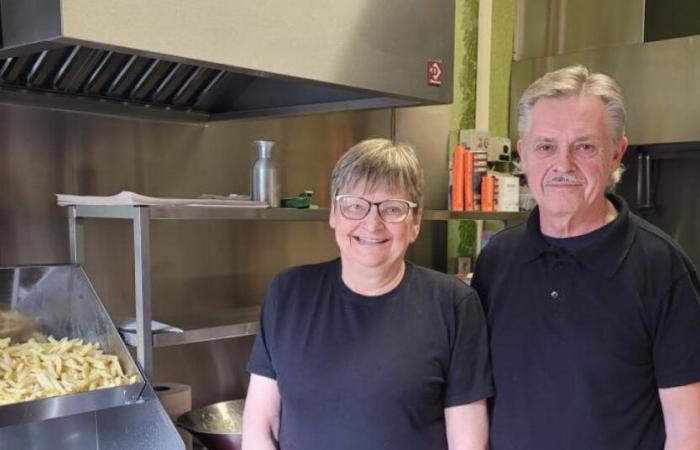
(369, 351)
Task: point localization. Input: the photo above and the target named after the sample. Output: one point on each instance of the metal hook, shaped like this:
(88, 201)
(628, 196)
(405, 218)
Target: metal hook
(644, 181)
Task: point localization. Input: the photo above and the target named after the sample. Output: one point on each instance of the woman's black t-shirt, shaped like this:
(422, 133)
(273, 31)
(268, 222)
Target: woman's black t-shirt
(357, 372)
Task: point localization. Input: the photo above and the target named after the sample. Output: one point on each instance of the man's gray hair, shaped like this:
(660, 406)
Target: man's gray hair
(380, 163)
(577, 81)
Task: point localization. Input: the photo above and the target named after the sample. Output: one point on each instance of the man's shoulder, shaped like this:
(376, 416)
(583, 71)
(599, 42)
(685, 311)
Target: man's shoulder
(657, 247)
(507, 239)
(652, 235)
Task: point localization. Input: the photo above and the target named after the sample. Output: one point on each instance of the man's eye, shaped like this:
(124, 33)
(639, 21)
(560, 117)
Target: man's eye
(586, 148)
(544, 148)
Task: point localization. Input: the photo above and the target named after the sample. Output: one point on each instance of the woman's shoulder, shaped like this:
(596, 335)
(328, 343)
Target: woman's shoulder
(307, 272)
(434, 279)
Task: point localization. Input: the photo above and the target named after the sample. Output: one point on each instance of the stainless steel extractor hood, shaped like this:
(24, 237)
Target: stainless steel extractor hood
(657, 66)
(224, 59)
(660, 80)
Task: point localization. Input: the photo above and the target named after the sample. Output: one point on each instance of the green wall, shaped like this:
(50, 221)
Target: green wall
(502, 26)
(464, 97)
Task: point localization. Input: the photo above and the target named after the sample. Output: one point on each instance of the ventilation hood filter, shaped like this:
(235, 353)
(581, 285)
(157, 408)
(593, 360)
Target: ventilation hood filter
(225, 59)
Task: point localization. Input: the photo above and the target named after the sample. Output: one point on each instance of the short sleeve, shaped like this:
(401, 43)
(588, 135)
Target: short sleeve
(479, 283)
(261, 360)
(677, 337)
(469, 376)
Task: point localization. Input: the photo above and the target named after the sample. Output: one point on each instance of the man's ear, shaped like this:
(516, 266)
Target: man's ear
(520, 146)
(620, 149)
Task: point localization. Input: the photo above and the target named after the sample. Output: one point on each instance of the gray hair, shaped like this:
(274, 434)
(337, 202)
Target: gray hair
(577, 81)
(380, 163)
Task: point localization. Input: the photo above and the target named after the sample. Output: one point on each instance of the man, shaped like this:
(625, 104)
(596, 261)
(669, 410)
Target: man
(594, 314)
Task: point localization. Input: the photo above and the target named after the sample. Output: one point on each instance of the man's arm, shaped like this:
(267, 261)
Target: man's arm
(467, 426)
(681, 407)
(262, 414)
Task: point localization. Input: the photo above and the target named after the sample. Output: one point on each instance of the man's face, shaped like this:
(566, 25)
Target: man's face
(568, 156)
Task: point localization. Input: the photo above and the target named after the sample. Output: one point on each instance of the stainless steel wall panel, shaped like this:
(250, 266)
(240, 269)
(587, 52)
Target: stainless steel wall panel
(200, 269)
(427, 129)
(555, 27)
(676, 204)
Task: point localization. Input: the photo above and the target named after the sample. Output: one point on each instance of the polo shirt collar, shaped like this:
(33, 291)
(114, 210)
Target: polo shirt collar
(604, 256)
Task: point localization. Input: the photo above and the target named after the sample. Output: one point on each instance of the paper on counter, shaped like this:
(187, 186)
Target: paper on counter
(128, 198)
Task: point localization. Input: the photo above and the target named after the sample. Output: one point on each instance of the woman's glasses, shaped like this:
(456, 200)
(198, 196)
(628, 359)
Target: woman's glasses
(392, 210)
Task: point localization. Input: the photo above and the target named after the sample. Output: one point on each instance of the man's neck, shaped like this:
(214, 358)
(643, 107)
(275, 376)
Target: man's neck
(577, 224)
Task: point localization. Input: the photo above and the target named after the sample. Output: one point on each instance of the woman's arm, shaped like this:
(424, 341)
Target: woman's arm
(261, 418)
(467, 426)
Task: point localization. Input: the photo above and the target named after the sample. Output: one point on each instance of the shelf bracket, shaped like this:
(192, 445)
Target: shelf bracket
(142, 291)
(75, 237)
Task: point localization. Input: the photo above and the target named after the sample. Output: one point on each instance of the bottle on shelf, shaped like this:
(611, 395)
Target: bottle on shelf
(265, 177)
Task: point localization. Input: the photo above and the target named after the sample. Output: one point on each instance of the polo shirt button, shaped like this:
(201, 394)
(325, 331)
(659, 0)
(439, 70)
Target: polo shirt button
(554, 295)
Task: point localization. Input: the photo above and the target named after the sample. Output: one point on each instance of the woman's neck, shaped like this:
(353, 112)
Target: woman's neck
(370, 281)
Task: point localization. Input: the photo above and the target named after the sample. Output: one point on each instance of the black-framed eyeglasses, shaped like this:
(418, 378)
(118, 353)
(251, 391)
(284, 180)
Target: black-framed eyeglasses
(393, 210)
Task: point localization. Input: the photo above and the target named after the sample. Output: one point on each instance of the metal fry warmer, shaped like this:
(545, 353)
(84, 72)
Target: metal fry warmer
(61, 302)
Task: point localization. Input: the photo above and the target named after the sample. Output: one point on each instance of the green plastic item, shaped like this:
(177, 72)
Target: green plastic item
(300, 202)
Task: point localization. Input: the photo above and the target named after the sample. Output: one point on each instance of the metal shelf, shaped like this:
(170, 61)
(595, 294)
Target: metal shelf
(438, 215)
(189, 212)
(209, 326)
(235, 325)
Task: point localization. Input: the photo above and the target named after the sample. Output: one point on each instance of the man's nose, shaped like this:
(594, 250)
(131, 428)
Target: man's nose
(565, 159)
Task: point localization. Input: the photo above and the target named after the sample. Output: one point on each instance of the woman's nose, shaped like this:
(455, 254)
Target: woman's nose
(372, 220)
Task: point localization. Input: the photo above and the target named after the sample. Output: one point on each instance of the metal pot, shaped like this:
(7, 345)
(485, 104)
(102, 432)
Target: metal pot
(217, 426)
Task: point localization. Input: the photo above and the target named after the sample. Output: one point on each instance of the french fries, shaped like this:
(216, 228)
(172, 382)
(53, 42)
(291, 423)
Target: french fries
(34, 370)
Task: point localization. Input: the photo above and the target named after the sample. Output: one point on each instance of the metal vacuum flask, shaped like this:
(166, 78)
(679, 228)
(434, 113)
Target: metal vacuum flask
(266, 175)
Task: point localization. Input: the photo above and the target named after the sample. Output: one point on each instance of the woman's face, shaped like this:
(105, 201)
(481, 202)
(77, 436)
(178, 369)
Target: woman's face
(371, 242)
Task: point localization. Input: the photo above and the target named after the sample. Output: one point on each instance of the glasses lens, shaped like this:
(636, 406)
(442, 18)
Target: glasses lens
(354, 207)
(393, 210)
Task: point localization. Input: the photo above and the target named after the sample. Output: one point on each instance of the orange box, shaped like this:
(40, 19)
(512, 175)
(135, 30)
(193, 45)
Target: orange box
(468, 180)
(487, 193)
(458, 179)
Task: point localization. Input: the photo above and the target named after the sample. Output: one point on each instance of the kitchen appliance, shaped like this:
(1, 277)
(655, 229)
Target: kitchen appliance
(62, 303)
(217, 426)
(222, 59)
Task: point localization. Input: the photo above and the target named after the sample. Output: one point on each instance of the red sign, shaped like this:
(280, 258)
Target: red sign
(435, 72)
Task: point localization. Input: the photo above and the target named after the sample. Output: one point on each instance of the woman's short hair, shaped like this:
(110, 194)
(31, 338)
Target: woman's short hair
(577, 81)
(380, 163)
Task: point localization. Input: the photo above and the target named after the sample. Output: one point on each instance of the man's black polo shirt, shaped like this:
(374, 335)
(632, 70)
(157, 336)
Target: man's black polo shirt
(582, 341)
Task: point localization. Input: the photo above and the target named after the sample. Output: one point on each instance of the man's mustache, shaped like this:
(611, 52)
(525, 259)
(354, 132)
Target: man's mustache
(564, 179)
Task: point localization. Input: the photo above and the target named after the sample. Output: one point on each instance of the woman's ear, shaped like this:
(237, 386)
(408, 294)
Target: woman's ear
(415, 227)
(331, 216)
